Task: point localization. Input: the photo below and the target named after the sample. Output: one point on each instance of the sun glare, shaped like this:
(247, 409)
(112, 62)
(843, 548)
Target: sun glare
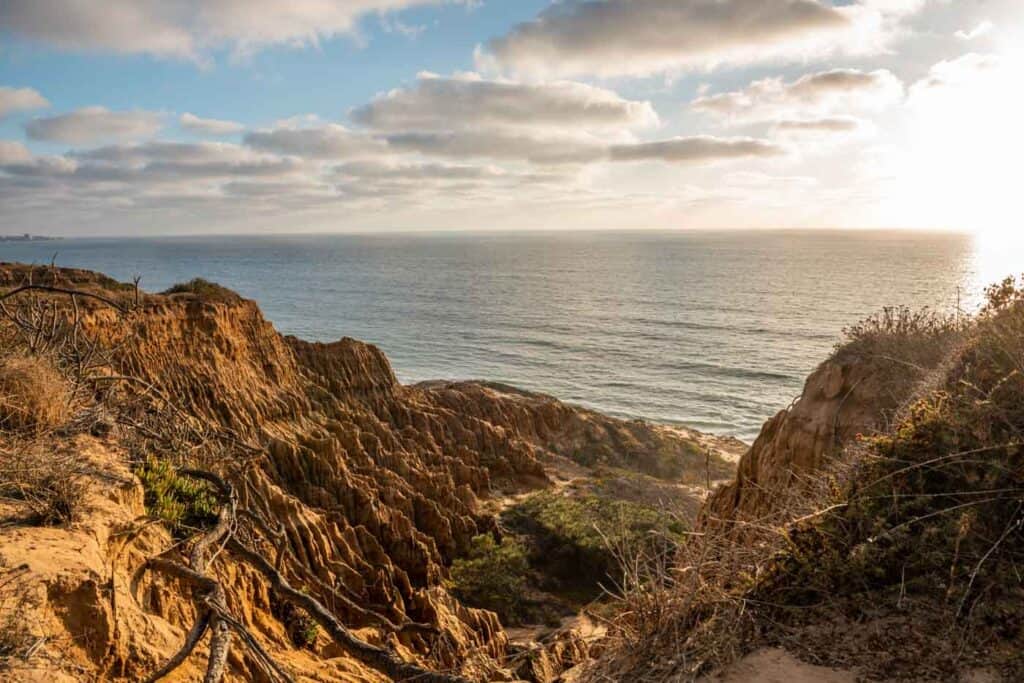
(960, 164)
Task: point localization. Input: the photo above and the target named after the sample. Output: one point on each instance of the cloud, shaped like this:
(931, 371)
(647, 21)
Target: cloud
(811, 95)
(330, 141)
(187, 29)
(202, 126)
(982, 29)
(92, 124)
(417, 171)
(963, 72)
(641, 37)
(696, 149)
(837, 124)
(154, 162)
(159, 151)
(12, 152)
(466, 116)
(468, 100)
(375, 171)
(20, 99)
(559, 148)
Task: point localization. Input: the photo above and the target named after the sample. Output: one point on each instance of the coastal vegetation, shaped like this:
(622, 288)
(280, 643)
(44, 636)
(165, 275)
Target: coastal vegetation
(493, 575)
(917, 528)
(204, 290)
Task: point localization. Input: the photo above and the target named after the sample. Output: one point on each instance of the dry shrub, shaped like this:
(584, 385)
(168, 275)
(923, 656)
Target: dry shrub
(17, 641)
(683, 611)
(47, 486)
(921, 337)
(929, 535)
(918, 531)
(34, 396)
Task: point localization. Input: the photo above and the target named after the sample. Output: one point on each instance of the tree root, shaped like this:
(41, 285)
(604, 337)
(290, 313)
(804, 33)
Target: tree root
(284, 552)
(214, 615)
(377, 657)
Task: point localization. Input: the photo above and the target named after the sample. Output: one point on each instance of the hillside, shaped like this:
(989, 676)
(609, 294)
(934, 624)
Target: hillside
(186, 493)
(874, 531)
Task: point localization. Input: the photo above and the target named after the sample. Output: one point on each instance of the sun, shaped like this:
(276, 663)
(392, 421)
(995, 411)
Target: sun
(959, 164)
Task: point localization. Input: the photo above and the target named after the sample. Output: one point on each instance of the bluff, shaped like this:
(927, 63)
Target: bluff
(202, 460)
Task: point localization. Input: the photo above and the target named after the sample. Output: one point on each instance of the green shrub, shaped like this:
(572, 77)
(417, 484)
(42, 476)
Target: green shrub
(184, 503)
(574, 539)
(302, 629)
(492, 576)
(204, 290)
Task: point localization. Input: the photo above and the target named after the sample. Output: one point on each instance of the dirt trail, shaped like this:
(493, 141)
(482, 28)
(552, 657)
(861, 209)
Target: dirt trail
(775, 665)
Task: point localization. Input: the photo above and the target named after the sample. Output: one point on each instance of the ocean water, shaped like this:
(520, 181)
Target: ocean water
(714, 330)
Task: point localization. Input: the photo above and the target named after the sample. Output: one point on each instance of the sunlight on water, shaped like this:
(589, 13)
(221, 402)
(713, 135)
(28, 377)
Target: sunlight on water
(995, 256)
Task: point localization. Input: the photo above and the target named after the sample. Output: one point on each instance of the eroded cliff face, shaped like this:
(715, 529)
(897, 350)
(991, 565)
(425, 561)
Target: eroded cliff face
(376, 488)
(849, 394)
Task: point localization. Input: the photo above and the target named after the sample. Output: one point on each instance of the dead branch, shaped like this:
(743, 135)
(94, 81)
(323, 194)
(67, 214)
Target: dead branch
(380, 658)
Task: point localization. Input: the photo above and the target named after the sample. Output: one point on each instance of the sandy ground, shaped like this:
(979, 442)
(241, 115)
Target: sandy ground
(774, 665)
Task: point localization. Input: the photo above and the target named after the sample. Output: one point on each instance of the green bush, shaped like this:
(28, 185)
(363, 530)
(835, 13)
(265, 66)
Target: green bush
(184, 503)
(204, 290)
(492, 576)
(574, 538)
(302, 629)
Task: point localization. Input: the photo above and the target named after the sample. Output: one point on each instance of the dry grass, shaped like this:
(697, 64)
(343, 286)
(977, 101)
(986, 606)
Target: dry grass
(43, 486)
(17, 641)
(40, 484)
(34, 396)
(918, 531)
(685, 611)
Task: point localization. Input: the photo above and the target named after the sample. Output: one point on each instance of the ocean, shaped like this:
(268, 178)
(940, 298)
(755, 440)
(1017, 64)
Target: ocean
(714, 330)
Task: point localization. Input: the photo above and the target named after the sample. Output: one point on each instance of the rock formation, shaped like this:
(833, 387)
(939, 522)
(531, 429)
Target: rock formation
(375, 487)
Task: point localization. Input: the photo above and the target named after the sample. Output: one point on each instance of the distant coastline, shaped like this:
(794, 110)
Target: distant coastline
(26, 237)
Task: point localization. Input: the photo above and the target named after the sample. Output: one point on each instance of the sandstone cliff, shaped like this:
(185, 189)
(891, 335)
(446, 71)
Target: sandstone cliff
(859, 390)
(373, 487)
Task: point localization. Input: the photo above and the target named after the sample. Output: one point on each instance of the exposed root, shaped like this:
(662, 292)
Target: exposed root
(380, 658)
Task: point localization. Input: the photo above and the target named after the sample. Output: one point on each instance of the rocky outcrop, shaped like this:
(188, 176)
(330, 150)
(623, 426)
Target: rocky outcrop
(588, 437)
(376, 486)
(847, 395)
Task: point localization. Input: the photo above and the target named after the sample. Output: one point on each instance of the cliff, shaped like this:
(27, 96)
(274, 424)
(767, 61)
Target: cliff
(859, 391)
(873, 530)
(359, 491)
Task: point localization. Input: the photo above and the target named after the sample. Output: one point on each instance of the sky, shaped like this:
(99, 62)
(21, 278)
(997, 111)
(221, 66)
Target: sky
(141, 117)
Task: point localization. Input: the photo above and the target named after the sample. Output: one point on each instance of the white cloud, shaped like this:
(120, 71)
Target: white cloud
(12, 152)
(982, 29)
(161, 151)
(812, 95)
(830, 125)
(468, 100)
(187, 28)
(960, 73)
(696, 149)
(92, 124)
(204, 126)
(330, 141)
(417, 171)
(639, 37)
(555, 148)
(20, 99)
(467, 116)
